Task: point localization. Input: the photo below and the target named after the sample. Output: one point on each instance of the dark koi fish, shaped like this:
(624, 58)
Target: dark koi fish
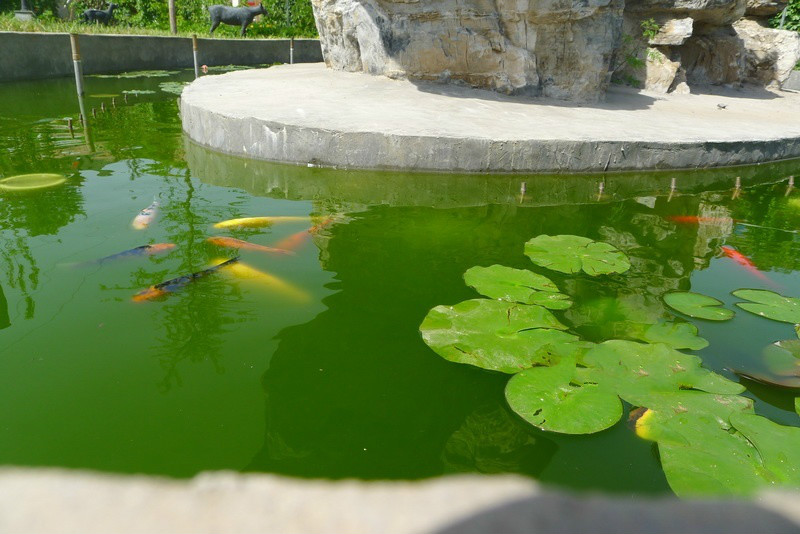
(294, 241)
(170, 286)
(744, 261)
(147, 250)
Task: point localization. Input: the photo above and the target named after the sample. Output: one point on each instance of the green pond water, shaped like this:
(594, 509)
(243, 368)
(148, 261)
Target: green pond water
(231, 373)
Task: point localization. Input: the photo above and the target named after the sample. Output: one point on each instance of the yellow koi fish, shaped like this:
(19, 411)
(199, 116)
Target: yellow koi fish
(259, 222)
(230, 242)
(272, 282)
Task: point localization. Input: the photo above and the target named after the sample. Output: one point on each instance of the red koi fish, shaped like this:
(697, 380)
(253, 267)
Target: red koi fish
(294, 241)
(694, 219)
(744, 261)
(231, 242)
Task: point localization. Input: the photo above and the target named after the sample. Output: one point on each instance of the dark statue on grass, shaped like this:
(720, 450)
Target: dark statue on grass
(103, 16)
(235, 16)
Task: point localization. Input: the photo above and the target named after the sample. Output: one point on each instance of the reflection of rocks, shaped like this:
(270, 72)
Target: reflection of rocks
(491, 440)
(711, 232)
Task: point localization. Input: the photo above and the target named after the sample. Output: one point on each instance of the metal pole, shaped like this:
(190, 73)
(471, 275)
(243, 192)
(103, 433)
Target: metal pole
(173, 22)
(78, 67)
(783, 17)
(194, 53)
(291, 51)
(286, 8)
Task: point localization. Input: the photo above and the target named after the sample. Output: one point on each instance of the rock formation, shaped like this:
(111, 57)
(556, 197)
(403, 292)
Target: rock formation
(566, 49)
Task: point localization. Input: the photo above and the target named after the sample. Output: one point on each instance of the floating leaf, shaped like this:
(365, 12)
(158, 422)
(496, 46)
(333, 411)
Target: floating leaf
(769, 304)
(494, 335)
(783, 357)
(138, 92)
(176, 88)
(676, 335)
(700, 452)
(778, 446)
(636, 371)
(697, 305)
(550, 398)
(28, 182)
(516, 285)
(572, 253)
(792, 382)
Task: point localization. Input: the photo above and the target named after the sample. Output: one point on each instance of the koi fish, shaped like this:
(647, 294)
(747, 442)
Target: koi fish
(146, 216)
(272, 282)
(230, 242)
(173, 285)
(694, 219)
(294, 241)
(744, 261)
(148, 250)
(258, 222)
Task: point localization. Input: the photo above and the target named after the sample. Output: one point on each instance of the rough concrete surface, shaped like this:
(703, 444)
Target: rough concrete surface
(69, 501)
(31, 55)
(307, 114)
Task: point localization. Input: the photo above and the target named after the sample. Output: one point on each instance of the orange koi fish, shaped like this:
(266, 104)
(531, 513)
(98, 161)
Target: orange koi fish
(146, 216)
(258, 222)
(694, 219)
(231, 242)
(744, 261)
(294, 241)
(175, 284)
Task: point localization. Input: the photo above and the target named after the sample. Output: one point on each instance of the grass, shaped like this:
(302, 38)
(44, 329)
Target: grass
(9, 23)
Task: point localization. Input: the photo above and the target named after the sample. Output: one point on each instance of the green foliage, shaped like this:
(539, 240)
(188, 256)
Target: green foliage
(134, 16)
(628, 58)
(792, 19)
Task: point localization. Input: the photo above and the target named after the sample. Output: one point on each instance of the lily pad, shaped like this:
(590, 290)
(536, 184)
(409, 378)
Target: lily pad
(550, 398)
(637, 371)
(778, 446)
(29, 182)
(571, 254)
(676, 335)
(783, 357)
(697, 305)
(516, 285)
(495, 335)
(138, 74)
(770, 305)
(176, 88)
(791, 382)
(138, 92)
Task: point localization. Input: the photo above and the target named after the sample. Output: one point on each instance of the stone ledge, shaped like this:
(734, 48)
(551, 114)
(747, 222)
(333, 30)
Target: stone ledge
(69, 501)
(306, 114)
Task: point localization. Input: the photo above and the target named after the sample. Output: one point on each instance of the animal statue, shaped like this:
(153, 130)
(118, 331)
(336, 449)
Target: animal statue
(235, 16)
(102, 16)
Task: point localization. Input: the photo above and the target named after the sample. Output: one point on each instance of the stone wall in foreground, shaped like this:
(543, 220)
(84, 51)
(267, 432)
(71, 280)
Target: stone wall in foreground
(566, 49)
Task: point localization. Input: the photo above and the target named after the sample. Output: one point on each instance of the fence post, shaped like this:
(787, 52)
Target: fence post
(291, 50)
(194, 54)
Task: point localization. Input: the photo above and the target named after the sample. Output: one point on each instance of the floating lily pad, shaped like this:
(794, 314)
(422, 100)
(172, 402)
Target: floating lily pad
(29, 182)
(495, 335)
(636, 371)
(778, 447)
(139, 92)
(676, 335)
(791, 382)
(516, 285)
(783, 357)
(104, 95)
(697, 305)
(572, 253)
(176, 88)
(138, 74)
(769, 304)
(550, 398)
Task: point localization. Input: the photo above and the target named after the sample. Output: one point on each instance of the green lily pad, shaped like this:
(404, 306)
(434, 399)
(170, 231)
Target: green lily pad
(636, 371)
(138, 92)
(676, 335)
(700, 451)
(571, 254)
(495, 335)
(516, 285)
(176, 88)
(792, 382)
(550, 398)
(29, 182)
(778, 446)
(770, 305)
(697, 305)
(783, 357)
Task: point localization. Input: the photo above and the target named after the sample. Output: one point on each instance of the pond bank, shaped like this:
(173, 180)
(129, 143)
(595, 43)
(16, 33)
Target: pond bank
(307, 114)
(71, 501)
(32, 56)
